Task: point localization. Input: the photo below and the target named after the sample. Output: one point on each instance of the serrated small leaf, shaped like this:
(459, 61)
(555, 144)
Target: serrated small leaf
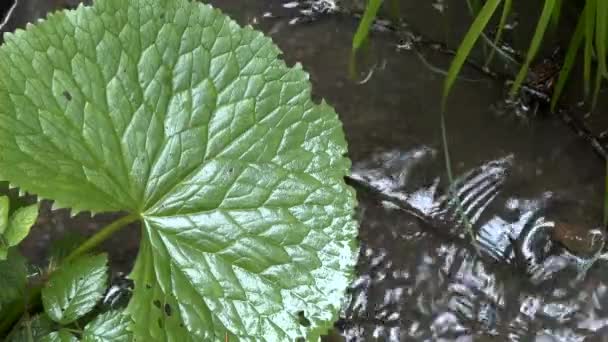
(4, 209)
(170, 111)
(59, 336)
(111, 326)
(20, 223)
(33, 329)
(13, 277)
(75, 288)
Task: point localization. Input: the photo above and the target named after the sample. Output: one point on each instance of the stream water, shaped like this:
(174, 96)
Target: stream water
(418, 280)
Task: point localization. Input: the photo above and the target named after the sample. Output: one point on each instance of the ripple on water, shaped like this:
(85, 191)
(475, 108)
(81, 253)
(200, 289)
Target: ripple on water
(418, 283)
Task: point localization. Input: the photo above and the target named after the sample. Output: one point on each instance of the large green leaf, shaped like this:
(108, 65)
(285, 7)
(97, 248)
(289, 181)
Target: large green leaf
(74, 289)
(108, 327)
(170, 110)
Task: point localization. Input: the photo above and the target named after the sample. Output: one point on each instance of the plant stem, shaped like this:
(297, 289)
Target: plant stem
(33, 297)
(101, 236)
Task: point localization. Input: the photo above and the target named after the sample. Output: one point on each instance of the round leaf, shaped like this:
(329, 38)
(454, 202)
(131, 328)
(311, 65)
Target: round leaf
(170, 110)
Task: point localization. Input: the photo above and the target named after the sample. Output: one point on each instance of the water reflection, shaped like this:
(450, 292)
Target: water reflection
(421, 279)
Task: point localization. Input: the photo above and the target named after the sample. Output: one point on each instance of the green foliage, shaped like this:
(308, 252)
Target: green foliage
(170, 111)
(111, 326)
(506, 10)
(480, 22)
(371, 10)
(592, 29)
(569, 60)
(541, 27)
(59, 336)
(13, 278)
(14, 229)
(74, 289)
(31, 329)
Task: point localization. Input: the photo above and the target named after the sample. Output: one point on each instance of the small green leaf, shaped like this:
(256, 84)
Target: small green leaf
(74, 289)
(33, 329)
(4, 209)
(59, 336)
(20, 223)
(13, 277)
(111, 326)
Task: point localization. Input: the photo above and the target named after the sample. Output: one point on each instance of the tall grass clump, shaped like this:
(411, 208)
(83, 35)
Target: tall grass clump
(590, 36)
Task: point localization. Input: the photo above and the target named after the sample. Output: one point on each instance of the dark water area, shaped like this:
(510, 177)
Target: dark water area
(419, 278)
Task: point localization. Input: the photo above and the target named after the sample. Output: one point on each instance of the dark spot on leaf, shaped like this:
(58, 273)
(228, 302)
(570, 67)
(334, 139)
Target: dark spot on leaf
(168, 309)
(231, 170)
(160, 323)
(302, 319)
(67, 95)
(156, 303)
(181, 325)
(148, 286)
(162, 16)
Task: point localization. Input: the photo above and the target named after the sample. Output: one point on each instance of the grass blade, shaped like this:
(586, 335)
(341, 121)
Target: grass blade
(589, 14)
(506, 10)
(575, 43)
(556, 14)
(366, 22)
(537, 39)
(606, 197)
(474, 6)
(480, 22)
(601, 34)
(596, 89)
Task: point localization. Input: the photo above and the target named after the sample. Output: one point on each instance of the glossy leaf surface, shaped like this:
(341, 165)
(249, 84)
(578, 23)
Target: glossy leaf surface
(169, 110)
(75, 288)
(111, 326)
